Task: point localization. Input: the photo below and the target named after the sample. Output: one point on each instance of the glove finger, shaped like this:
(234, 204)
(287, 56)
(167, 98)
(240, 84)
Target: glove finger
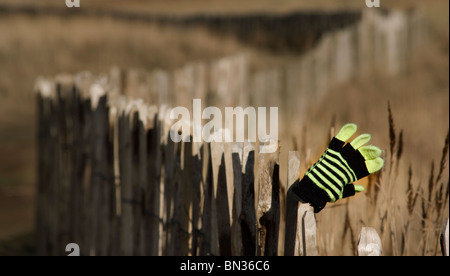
(346, 132)
(351, 190)
(359, 188)
(370, 152)
(374, 165)
(360, 140)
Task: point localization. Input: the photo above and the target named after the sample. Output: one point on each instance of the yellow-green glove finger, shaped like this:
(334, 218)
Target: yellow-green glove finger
(374, 164)
(346, 132)
(370, 152)
(360, 140)
(359, 188)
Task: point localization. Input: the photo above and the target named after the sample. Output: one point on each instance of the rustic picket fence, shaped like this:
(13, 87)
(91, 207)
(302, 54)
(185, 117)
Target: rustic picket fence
(112, 181)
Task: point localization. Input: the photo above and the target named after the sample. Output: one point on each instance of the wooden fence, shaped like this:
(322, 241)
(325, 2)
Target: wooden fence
(112, 181)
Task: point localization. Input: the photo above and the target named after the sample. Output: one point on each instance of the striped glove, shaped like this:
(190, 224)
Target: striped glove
(330, 178)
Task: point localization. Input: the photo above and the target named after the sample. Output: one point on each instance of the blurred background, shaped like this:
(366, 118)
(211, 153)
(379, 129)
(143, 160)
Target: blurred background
(46, 38)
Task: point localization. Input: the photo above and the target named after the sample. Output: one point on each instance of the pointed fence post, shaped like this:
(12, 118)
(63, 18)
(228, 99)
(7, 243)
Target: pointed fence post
(268, 210)
(291, 204)
(306, 239)
(197, 196)
(125, 169)
(369, 243)
(444, 239)
(220, 204)
(247, 218)
(236, 231)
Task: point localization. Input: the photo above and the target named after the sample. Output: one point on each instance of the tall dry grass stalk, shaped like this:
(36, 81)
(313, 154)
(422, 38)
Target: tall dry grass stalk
(433, 206)
(398, 221)
(412, 195)
(395, 151)
(394, 212)
(406, 212)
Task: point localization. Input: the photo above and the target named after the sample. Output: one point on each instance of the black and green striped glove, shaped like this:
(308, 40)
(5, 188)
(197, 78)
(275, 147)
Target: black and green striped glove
(331, 178)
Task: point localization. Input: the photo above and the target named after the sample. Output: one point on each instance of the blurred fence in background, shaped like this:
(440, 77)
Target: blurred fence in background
(379, 42)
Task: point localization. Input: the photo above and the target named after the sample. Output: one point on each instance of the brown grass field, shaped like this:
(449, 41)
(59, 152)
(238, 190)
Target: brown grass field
(419, 100)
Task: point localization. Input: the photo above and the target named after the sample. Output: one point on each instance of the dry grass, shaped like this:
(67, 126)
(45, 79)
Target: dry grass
(407, 202)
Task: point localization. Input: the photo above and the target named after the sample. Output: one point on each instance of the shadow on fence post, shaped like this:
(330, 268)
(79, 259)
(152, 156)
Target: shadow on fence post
(45, 231)
(101, 185)
(152, 190)
(182, 200)
(125, 169)
(236, 231)
(247, 218)
(268, 210)
(221, 233)
(206, 216)
(243, 228)
(197, 194)
(291, 204)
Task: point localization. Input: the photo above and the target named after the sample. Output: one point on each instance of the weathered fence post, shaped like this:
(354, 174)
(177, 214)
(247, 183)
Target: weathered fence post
(62, 178)
(197, 195)
(306, 240)
(220, 205)
(444, 239)
(171, 171)
(100, 188)
(126, 189)
(141, 177)
(81, 105)
(236, 232)
(84, 82)
(152, 197)
(268, 211)
(206, 242)
(166, 188)
(115, 109)
(247, 218)
(291, 203)
(182, 200)
(369, 243)
(42, 137)
(45, 94)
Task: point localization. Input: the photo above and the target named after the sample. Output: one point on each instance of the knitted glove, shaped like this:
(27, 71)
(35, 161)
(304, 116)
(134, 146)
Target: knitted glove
(330, 178)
